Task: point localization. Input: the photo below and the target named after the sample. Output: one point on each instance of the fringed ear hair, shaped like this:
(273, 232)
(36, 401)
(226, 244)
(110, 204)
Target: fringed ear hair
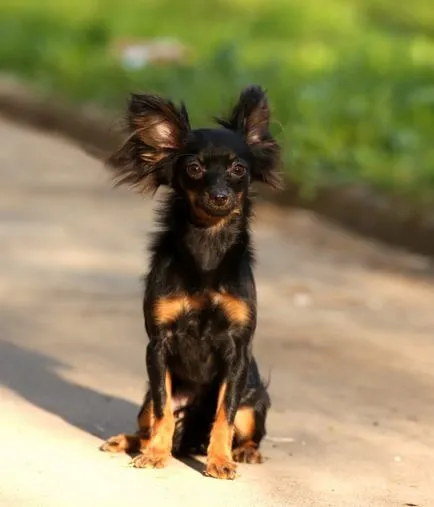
(157, 131)
(251, 118)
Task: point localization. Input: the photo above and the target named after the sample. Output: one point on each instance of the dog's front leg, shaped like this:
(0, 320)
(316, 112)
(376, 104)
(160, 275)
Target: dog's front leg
(219, 455)
(157, 453)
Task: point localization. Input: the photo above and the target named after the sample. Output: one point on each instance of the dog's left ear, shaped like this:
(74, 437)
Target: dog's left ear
(157, 132)
(251, 118)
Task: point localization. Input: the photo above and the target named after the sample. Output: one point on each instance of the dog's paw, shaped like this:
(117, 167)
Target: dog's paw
(221, 468)
(247, 454)
(150, 458)
(117, 443)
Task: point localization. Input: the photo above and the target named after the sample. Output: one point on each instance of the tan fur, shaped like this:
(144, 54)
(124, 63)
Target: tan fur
(219, 454)
(167, 310)
(202, 216)
(158, 451)
(235, 308)
(245, 423)
(163, 429)
(222, 432)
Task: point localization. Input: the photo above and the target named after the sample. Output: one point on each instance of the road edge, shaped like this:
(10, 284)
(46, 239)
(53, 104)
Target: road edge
(357, 208)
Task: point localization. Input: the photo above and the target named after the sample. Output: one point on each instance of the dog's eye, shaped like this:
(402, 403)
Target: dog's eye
(238, 170)
(194, 170)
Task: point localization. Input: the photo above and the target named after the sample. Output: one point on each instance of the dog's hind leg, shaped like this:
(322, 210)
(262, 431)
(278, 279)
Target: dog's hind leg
(133, 443)
(250, 421)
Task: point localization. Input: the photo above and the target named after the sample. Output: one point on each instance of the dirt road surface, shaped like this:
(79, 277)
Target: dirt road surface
(346, 329)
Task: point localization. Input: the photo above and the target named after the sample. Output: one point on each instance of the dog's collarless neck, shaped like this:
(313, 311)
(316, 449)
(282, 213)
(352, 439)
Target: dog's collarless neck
(210, 246)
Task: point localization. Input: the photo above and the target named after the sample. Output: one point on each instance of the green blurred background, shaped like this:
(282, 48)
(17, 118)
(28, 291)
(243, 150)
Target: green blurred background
(351, 81)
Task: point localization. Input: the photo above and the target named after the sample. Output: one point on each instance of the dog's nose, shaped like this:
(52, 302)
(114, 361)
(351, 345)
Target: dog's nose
(219, 198)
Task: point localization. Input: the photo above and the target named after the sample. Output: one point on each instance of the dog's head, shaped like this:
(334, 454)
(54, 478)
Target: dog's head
(212, 168)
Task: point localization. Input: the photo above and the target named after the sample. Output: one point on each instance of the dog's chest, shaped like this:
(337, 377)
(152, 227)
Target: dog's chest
(198, 335)
(193, 355)
(199, 311)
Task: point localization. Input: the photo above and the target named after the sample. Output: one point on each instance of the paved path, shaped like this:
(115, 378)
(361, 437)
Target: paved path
(346, 328)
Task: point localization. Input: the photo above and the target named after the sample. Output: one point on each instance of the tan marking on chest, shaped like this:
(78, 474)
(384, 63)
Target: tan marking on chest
(235, 309)
(168, 309)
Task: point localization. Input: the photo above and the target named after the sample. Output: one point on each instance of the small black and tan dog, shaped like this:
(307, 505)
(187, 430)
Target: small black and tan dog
(205, 393)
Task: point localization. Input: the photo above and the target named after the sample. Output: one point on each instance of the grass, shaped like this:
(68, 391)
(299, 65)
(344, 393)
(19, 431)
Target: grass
(351, 81)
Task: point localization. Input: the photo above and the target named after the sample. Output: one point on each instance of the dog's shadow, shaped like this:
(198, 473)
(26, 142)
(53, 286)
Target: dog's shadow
(36, 378)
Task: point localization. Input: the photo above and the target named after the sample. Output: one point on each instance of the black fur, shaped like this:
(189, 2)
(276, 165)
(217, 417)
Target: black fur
(202, 251)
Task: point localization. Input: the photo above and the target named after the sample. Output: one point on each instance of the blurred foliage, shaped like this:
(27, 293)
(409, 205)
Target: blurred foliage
(351, 81)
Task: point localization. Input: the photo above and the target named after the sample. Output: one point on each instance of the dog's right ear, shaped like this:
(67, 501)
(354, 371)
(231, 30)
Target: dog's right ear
(251, 118)
(157, 132)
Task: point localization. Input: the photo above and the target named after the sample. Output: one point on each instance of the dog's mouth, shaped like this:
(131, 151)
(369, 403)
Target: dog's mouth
(208, 214)
(215, 206)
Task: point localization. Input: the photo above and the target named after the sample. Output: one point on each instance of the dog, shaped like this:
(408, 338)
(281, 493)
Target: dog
(205, 393)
